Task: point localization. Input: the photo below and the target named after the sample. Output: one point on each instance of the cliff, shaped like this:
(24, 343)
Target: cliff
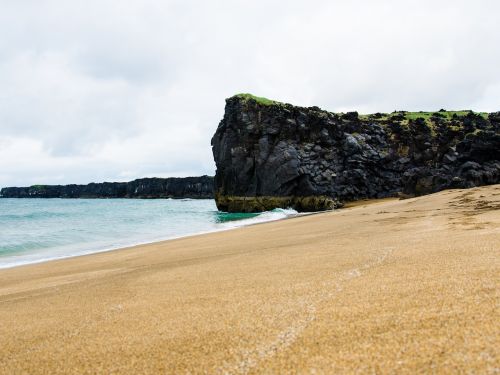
(270, 154)
(188, 187)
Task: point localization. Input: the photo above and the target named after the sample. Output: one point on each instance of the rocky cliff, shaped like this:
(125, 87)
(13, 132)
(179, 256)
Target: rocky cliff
(188, 187)
(270, 154)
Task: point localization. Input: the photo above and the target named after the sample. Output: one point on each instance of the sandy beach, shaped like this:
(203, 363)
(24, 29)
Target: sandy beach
(394, 286)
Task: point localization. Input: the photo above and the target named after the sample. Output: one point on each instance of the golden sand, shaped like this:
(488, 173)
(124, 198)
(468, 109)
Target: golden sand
(399, 286)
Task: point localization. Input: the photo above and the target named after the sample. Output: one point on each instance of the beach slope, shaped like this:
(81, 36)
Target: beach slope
(396, 286)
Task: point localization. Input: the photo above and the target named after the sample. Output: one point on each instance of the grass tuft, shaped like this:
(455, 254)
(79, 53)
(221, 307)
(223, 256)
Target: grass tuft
(258, 99)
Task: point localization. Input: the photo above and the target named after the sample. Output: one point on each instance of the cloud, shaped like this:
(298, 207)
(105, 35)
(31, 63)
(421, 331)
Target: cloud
(115, 90)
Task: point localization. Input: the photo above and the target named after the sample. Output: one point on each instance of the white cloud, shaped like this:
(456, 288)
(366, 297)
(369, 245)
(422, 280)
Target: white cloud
(114, 90)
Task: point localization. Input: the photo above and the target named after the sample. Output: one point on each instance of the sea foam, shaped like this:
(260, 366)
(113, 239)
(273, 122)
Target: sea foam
(37, 230)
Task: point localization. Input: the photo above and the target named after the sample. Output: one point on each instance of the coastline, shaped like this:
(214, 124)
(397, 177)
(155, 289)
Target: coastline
(376, 287)
(158, 241)
(264, 217)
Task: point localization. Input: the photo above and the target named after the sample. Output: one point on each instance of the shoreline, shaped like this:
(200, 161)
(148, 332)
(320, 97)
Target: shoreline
(393, 286)
(160, 241)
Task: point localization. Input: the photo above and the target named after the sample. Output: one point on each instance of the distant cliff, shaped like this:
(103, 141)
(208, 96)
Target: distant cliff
(187, 187)
(270, 154)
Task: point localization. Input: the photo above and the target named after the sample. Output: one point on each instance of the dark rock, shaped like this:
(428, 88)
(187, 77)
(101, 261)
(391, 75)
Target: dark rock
(293, 154)
(450, 158)
(469, 165)
(173, 187)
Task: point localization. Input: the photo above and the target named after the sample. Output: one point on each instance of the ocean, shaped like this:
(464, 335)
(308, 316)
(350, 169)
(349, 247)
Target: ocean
(37, 230)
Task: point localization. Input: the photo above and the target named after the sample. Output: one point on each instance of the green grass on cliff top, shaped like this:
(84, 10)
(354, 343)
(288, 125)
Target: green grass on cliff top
(408, 115)
(447, 114)
(258, 99)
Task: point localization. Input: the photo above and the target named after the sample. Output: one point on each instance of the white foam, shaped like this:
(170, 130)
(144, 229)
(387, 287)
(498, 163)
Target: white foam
(20, 260)
(276, 214)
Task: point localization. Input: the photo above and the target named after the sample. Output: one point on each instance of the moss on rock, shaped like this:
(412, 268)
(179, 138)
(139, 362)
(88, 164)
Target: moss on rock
(267, 203)
(258, 99)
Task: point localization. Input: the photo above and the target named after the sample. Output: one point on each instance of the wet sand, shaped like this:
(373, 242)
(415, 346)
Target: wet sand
(396, 286)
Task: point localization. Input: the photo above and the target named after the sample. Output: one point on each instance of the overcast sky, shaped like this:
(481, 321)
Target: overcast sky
(112, 90)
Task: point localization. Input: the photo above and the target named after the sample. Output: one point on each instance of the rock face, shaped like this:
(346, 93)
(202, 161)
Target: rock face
(270, 154)
(188, 187)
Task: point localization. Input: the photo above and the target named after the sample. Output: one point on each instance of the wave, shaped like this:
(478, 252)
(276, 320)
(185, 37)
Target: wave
(276, 214)
(47, 241)
(32, 215)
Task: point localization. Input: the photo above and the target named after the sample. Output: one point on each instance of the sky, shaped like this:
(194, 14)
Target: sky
(113, 90)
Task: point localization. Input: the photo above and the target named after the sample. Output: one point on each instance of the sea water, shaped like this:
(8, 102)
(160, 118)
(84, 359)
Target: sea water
(36, 230)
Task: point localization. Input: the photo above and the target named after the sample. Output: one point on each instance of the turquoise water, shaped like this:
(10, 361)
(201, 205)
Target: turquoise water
(35, 230)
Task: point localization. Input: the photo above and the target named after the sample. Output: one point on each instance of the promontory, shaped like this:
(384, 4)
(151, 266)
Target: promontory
(270, 154)
(171, 187)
